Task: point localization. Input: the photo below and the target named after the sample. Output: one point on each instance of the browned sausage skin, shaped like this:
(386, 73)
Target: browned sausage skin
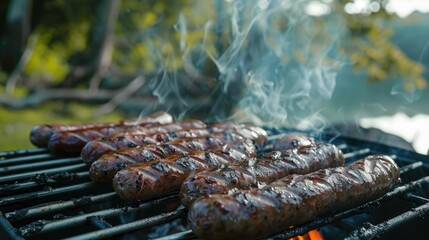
(40, 134)
(263, 170)
(104, 169)
(291, 200)
(74, 141)
(149, 180)
(293, 140)
(96, 148)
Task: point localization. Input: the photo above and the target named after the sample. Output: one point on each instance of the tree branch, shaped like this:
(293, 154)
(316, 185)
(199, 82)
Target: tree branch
(18, 21)
(98, 57)
(125, 93)
(19, 68)
(105, 53)
(42, 96)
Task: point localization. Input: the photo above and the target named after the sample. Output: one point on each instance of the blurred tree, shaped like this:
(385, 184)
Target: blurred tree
(370, 47)
(88, 47)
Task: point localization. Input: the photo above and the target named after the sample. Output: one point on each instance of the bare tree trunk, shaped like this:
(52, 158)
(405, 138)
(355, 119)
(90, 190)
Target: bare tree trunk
(18, 23)
(104, 58)
(100, 47)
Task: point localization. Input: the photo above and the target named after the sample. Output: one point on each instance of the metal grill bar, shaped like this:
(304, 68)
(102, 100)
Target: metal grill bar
(27, 175)
(416, 199)
(49, 208)
(25, 159)
(411, 166)
(132, 226)
(47, 193)
(39, 165)
(99, 222)
(7, 230)
(17, 153)
(48, 181)
(357, 153)
(81, 219)
(374, 231)
(188, 234)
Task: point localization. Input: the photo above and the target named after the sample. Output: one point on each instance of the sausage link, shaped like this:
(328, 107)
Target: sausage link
(74, 141)
(40, 134)
(292, 200)
(293, 140)
(104, 169)
(95, 148)
(262, 170)
(150, 180)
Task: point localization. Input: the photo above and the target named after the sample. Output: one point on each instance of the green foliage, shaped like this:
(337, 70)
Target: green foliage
(149, 38)
(3, 77)
(15, 125)
(153, 36)
(62, 32)
(371, 49)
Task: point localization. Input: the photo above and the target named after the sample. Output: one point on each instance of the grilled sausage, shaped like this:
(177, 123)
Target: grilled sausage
(149, 180)
(95, 148)
(74, 141)
(293, 140)
(104, 169)
(292, 200)
(40, 134)
(262, 170)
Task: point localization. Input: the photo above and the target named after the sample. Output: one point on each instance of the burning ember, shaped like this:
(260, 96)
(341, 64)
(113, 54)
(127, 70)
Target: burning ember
(312, 235)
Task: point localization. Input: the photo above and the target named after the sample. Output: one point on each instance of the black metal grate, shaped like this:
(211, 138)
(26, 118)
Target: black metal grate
(44, 197)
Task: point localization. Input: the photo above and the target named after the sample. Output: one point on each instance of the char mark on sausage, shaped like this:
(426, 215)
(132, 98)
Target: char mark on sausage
(104, 169)
(40, 134)
(293, 140)
(262, 170)
(74, 141)
(96, 148)
(292, 200)
(155, 179)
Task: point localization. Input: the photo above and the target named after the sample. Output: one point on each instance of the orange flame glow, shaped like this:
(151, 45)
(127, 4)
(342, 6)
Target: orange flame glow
(312, 235)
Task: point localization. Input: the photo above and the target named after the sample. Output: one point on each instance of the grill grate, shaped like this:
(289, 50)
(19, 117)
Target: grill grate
(51, 198)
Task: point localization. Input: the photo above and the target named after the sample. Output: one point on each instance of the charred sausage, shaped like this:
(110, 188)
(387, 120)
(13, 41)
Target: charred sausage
(149, 180)
(104, 169)
(293, 140)
(96, 148)
(40, 134)
(74, 141)
(262, 170)
(292, 200)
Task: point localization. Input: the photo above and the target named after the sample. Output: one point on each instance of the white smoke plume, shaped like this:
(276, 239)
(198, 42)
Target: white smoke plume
(276, 60)
(286, 58)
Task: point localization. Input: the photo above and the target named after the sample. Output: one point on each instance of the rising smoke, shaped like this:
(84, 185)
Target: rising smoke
(288, 66)
(275, 61)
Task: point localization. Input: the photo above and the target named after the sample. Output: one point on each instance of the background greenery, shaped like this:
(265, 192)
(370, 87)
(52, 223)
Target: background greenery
(101, 60)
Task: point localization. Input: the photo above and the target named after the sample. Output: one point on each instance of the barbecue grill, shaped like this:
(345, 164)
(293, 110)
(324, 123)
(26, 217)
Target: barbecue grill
(46, 197)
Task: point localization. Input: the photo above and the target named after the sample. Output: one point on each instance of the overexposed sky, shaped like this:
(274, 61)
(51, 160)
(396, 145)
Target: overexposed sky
(413, 129)
(405, 7)
(401, 7)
